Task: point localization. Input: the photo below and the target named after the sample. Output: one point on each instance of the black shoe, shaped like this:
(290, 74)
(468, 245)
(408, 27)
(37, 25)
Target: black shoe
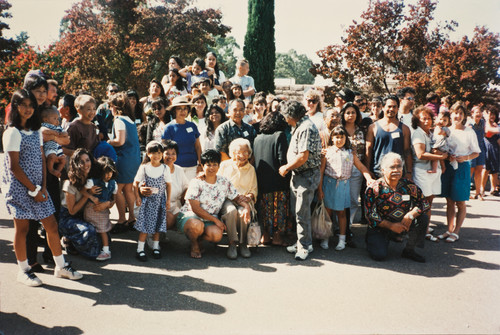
(411, 254)
(37, 268)
(156, 254)
(141, 256)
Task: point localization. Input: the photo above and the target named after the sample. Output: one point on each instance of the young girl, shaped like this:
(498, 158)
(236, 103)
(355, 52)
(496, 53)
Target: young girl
(236, 92)
(153, 189)
(334, 187)
(23, 179)
(97, 210)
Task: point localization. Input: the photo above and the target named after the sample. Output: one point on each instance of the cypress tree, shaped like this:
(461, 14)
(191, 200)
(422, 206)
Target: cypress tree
(259, 48)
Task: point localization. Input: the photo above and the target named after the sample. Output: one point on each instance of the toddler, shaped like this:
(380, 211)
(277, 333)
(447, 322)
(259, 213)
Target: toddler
(56, 160)
(440, 137)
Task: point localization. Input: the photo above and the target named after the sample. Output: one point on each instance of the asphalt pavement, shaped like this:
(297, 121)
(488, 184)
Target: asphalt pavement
(455, 292)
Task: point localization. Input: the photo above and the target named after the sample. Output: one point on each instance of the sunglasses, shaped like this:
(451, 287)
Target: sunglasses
(410, 98)
(312, 101)
(113, 91)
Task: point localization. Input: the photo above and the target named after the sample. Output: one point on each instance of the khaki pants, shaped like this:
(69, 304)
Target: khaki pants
(231, 216)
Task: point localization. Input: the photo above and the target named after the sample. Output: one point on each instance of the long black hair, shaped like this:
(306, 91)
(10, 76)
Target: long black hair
(34, 122)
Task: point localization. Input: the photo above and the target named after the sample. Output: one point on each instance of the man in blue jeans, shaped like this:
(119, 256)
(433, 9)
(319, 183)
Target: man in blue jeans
(304, 160)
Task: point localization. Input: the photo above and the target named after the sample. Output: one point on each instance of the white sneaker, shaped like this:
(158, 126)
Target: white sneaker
(293, 248)
(340, 246)
(28, 278)
(68, 272)
(324, 244)
(103, 256)
(301, 254)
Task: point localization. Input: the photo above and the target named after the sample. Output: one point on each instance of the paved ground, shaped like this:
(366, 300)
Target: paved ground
(455, 292)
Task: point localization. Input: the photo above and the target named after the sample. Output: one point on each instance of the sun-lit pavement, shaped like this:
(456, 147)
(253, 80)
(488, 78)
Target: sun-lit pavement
(456, 291)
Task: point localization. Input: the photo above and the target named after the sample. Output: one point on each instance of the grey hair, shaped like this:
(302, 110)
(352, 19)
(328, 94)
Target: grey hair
(292, 109)
(237, 143)
(388, 158)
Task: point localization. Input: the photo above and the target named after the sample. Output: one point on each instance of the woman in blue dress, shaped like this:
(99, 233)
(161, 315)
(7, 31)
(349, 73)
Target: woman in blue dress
(128, 152)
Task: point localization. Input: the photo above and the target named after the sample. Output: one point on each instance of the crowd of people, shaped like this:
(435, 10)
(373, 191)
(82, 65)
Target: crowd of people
(203, 155)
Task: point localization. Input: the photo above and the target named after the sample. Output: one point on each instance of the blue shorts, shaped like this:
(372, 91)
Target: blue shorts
(183, 217)
(337, 193)
(455, 184)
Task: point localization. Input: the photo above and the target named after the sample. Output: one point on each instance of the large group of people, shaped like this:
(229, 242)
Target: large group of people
(205, 156)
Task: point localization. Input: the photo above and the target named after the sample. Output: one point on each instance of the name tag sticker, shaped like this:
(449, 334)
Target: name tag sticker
(395, 135)
(406, 197)
(245, 133)
(189, 130)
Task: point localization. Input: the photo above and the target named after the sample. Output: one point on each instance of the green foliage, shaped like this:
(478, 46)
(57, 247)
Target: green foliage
(130, 41)
(225, 48)
(7, 45)
(293, 65)
(259, 48)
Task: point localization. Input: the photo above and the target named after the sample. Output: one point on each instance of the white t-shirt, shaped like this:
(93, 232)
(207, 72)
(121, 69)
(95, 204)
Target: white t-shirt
(463, 142)
(153, 172)
(12, 138)
(406, 119)
(318, 121)
(90, 183)
(419, 136)
(179, 185)
(119, 123)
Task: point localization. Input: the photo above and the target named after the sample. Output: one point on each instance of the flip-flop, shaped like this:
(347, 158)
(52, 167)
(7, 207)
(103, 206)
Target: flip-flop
(431, 238)
(444, 235)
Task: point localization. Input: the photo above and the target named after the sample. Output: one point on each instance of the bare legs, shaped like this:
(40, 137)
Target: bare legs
(125, 197)
(456, 218)
(195, 231)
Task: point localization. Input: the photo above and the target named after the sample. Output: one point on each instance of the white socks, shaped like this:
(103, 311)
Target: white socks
(140, 246)
(23, 265)
(105, 249)
(60, 262)
(156, 245)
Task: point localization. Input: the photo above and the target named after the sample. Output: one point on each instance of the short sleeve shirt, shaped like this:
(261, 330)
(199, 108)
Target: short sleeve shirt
(229, 131)
(305, 137)
(210, 196)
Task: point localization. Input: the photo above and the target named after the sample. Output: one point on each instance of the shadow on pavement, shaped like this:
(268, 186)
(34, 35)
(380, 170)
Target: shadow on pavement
(13, 323)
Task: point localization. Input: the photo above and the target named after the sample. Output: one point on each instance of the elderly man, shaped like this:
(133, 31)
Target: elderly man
(304, 160)
(395, 208)
(233, 128)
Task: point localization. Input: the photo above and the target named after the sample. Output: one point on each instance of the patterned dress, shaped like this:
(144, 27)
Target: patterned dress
(19, 203)
(153, 212)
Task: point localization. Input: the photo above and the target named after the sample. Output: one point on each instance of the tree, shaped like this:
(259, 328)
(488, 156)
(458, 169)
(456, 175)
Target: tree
(293, 65)
(224, 48)
(130, 41)
(465, 70)
(259, 48)
(7, 45)
(385, 43)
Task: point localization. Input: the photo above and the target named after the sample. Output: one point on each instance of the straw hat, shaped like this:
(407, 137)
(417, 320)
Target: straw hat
(179, 101)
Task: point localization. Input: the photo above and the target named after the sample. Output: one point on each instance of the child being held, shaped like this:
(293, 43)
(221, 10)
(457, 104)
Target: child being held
(97, 209)
(440, 137)
(56, 160)
(195, 72)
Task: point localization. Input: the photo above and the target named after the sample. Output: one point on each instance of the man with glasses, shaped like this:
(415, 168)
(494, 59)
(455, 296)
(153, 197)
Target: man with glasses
(406, 97)
(103, 116)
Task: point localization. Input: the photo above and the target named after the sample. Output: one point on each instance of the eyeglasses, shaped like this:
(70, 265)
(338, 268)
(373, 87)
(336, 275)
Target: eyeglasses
(113, 91)
(312, 101)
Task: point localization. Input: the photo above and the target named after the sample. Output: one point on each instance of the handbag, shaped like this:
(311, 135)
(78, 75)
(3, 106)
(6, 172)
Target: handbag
(254, 232)
(321, 224)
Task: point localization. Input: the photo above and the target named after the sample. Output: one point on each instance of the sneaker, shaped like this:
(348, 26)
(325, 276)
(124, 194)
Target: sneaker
(232, 252)
(324, 244)
(340, 246)
(293, 249)
(28, 278)
(301, 254)
(103, 256)
(244, 251)
(68, 272)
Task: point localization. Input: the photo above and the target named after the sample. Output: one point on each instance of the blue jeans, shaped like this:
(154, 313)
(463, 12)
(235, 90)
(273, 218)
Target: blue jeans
(302, 188)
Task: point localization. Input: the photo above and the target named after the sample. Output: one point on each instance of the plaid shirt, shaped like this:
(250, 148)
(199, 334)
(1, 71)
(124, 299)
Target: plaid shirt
(339, 163)
(229, 131)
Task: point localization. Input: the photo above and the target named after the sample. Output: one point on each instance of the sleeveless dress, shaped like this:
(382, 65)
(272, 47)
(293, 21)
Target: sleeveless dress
(128, 155)
(152, 216)
(19, 203)
(492, 153)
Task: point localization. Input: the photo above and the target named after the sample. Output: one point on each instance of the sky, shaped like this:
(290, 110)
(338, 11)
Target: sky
(304, 25)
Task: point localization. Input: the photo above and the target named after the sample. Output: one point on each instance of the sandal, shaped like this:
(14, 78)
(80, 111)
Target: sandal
(431, 238)
(430, 230)
(444, 235)
(452, 238)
